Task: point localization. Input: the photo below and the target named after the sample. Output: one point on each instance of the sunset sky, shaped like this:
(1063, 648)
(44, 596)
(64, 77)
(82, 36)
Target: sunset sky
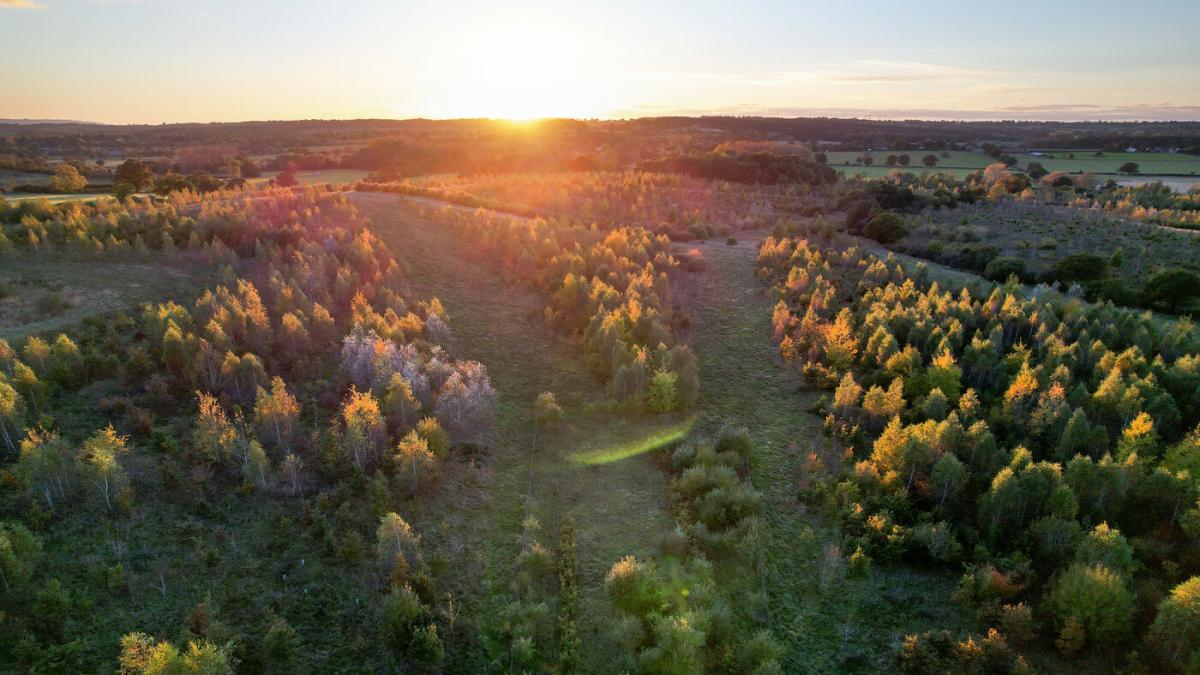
(220, 60)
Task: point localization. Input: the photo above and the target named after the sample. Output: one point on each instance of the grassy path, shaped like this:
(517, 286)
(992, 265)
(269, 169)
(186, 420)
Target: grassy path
(593, 466)
(828, 623)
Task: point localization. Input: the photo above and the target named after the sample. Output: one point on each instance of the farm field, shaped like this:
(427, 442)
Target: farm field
(1171, 168)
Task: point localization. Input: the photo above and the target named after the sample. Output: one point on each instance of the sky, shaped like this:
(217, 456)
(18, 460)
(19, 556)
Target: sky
(154, 61)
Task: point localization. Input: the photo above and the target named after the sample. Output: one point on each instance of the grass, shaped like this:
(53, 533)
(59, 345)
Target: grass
(333, 176)
(827, 623)
(619, 505)
(601, 470)
(87, 288)
(961, 163)
(658, 439)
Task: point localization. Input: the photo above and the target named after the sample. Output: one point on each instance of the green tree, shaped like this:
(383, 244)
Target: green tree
(886, 228)
(929, 161)
(661, 396)
(1128, 168)
(100, 462)
(1096, 598)
(135, 174)
(20, 552)
(1035, 170)
(1175, 634)
(1173, 288)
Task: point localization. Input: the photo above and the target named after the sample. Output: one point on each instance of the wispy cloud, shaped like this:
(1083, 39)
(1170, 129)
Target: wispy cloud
(21, 4)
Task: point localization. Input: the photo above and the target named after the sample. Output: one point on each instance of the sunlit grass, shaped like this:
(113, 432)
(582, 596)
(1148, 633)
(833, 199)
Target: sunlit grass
(654, 440)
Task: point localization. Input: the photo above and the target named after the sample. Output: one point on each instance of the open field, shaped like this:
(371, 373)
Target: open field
(40, 296)
(1174, 169)
(617, 497)
(333, 176)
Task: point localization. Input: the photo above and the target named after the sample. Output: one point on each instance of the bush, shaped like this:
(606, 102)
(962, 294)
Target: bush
(1080, 267)
(1000, 269)
(886, 228)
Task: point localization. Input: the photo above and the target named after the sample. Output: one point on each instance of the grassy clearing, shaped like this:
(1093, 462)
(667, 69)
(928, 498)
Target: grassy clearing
(332, 176)
(654, 441)
(828, 623)
(39, 295)
(618, 504)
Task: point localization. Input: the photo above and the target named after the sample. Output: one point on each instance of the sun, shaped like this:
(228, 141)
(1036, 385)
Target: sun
(522, 70)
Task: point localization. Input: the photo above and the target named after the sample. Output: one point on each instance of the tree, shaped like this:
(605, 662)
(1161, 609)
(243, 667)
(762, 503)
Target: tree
(1096, 598)
(546, 411)
(213, 437)
(886, 228)
(1175, 634)
(135, 174)
(466, 405)
(905, 160)
(1173, 288)
(661, 396)
(408, 628)
(431, 430)
(1035, 170)
(413, 455)
(257, 467)
(20, 551)
(929, 161)
(46, 466)
(99, 457)
(67, 179)
(12, 415)
(1128, 168)
(171, 182)
(285, 179)
(399, 403)
(1106, 546)
(396, 544)
(291, 469)
(364, 427)
(141, 655)
(277, 411)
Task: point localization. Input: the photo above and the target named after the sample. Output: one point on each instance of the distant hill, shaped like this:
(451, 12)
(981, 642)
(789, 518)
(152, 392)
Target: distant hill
(25, 122)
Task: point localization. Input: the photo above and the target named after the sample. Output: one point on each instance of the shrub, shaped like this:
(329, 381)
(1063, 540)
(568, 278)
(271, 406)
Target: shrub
(1000, 269)
(886, 228)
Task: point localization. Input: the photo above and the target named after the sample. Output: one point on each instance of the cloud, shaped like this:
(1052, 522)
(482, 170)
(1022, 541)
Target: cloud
(21, 4)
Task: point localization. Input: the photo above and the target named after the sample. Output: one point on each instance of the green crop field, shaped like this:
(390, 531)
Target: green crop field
(960, 163)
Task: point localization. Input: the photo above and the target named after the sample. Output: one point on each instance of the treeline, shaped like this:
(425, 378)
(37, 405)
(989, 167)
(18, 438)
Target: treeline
(609, 288)
(306, 373)
(740, 167)
(1048, 445)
